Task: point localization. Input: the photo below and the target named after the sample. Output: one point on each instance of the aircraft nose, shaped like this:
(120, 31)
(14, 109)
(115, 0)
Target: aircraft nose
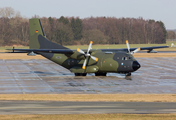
(136, 65)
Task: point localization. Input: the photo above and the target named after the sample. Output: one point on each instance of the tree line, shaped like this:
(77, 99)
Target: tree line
(171, 35)
(14, 29)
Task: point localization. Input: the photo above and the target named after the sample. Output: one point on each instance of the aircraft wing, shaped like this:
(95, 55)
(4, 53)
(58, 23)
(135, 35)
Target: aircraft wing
(62, 51)
(132, 49)
(150, 48)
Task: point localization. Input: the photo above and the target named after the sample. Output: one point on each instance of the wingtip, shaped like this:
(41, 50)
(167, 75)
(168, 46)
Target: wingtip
(91, 42)
(126, 41)
(139, 49)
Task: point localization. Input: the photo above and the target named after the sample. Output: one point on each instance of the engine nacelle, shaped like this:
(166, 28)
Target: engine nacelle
(76, 55)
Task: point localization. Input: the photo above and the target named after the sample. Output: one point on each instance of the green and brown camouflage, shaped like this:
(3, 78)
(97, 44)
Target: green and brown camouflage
(81, 62)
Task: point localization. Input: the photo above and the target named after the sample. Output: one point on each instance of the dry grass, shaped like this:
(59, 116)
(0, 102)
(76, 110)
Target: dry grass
(154, 55)
(91, 117)
(92, 97)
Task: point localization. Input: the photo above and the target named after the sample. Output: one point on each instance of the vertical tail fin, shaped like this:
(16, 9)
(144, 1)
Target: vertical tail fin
(35, 29)
(37, 38)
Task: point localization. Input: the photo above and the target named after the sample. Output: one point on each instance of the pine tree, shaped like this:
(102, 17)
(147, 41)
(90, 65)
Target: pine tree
(76, 28)
(164, 31)
(63, 20)
(50, 20)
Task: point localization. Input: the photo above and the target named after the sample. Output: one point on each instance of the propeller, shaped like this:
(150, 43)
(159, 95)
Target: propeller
(87, 55)
(128, 46)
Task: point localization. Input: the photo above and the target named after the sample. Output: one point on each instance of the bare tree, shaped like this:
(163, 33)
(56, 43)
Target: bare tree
(7, 12)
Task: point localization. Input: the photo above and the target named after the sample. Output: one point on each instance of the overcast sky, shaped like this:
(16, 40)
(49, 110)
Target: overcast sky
(159, 10)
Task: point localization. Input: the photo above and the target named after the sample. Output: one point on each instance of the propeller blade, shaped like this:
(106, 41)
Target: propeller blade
(84, 65)
(80, 51)
(138, 49)
(90, 45)
(87, 55)
(94, 58)
(128, 46)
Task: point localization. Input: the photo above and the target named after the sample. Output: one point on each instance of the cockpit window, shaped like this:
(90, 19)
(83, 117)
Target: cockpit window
(125, 58)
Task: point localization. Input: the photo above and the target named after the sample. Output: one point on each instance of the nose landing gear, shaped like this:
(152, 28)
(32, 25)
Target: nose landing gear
(128, 74)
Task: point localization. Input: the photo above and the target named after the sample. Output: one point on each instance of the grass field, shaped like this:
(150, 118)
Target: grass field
(168, 43)
(124, 46)
(92, 97)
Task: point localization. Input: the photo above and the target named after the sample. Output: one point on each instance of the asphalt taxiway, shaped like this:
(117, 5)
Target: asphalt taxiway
(157, 75)
(51, 107)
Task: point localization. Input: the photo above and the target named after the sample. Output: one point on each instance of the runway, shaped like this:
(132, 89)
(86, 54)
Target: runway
(50, 107)
(157, 75)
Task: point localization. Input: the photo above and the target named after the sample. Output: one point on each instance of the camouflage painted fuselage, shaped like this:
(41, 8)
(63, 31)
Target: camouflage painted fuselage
(118, 62)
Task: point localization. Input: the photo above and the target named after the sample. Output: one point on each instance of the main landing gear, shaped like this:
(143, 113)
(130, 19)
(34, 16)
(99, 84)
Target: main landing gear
(80, 74)
(100, 74)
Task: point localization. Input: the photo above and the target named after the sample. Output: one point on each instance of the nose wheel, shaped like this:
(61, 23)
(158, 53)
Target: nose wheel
(128, 74)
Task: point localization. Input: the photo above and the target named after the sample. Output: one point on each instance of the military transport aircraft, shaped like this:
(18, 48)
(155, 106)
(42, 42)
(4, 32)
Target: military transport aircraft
(81, 62)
